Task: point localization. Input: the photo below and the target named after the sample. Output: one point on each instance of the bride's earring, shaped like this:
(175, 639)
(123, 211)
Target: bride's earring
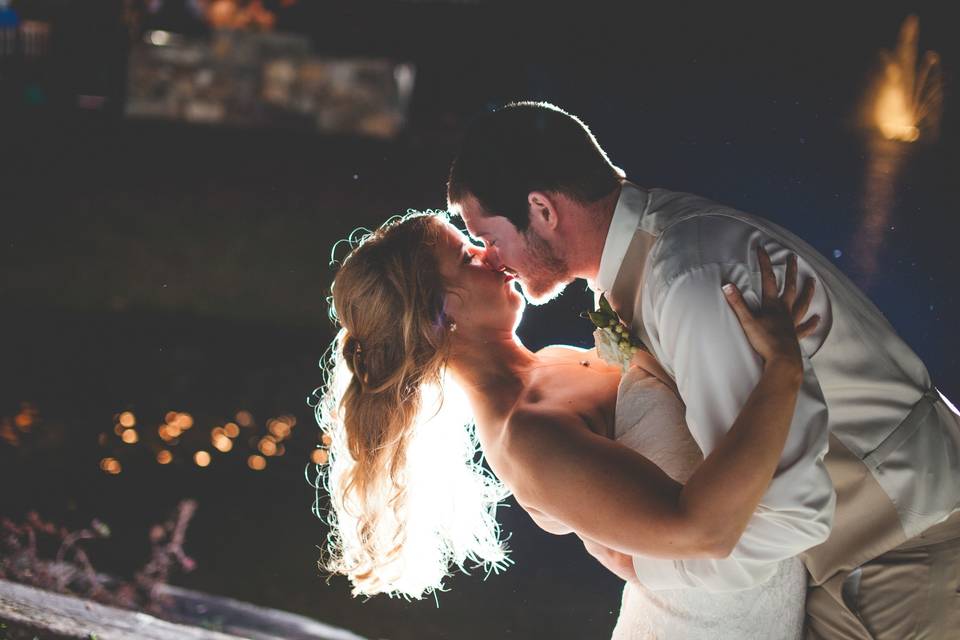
(451, 326)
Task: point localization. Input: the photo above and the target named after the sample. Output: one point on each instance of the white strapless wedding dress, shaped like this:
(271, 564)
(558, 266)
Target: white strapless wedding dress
(650, 420)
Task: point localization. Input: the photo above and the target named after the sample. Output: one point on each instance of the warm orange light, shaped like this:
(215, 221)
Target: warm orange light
(127, 419)
(202, 458)
(244, 418)
(231, 429)
(326, 439)
(217, 432)
(164, 456)
(257, 463)
(183, 421)
(111, 466)
(23, 420)
(907, 94)
(171, 416)
(223, 443)
(319, 456)
(118, 429)
(267, 446)
(279, 428)
(130, 436)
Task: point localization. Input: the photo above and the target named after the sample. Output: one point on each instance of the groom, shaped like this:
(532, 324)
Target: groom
(870, 473)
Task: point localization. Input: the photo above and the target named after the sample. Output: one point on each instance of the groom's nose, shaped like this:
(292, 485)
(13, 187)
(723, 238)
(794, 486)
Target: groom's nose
(492, 258)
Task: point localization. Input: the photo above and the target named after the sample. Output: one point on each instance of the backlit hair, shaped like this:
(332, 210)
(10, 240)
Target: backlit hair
(528, 146)
(409, 495)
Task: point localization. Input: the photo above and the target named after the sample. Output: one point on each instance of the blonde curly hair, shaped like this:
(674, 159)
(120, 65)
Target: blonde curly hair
(409, 495)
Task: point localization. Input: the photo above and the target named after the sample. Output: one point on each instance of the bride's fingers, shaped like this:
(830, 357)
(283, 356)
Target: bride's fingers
(790, 281)
(802, 303)
(768, 278)
(808, 326)
(735, 299)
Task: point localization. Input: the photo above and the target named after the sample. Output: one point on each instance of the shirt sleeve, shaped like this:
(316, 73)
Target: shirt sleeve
(697, 335)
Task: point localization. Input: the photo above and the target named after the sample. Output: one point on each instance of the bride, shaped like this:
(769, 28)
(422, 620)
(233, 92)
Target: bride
(427, 349)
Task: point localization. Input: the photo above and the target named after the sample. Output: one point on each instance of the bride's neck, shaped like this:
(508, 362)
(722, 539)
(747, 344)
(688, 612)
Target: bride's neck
(493, 370)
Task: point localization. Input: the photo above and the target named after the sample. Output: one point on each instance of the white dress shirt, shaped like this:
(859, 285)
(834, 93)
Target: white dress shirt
(665, 259)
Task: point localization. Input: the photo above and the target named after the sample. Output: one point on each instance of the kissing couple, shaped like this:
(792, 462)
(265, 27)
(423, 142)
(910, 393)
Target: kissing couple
(751, 448)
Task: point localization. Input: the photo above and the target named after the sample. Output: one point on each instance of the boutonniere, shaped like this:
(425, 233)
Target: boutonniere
(615, 344)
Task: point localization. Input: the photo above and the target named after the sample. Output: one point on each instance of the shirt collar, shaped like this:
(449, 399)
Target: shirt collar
(631, 206)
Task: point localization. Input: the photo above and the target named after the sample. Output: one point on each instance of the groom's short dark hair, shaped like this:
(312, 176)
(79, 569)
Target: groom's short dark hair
(529, 146)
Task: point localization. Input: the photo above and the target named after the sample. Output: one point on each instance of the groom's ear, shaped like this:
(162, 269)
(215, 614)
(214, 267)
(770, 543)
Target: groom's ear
(543, 210)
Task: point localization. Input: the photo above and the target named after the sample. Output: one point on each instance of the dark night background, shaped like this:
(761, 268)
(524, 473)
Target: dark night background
(154, 266)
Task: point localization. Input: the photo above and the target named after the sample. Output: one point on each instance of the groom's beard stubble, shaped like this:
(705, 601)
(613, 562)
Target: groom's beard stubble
(547, 273)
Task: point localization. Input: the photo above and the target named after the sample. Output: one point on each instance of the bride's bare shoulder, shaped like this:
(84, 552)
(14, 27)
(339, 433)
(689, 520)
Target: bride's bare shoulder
(562, 350)
(569, 353)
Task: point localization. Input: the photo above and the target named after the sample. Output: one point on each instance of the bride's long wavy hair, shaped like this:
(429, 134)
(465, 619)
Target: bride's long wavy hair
(409, 495)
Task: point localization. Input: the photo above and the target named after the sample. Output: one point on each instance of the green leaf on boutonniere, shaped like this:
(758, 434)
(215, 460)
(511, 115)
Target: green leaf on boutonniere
(606, 309)
(598, 319)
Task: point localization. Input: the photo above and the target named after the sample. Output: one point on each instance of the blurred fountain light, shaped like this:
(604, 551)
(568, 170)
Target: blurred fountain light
(164, 456)
(906, 96)
(257, 463)
(904, 104)
(244, 419)
(130, 436)
(202, 458)
(127, 419)
(231, 429)
(319, 456)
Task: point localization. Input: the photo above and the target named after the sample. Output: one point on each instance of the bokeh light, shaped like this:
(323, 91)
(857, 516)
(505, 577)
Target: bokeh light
(127, 419)
(130, 436)
(319, 456)
(222, 443)
(164, 456)
(257, 463)
(267, 446)
(111, 466)
(202, 458)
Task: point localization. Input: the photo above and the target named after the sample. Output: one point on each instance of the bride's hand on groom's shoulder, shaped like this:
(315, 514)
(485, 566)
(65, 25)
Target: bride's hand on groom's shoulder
(775, 328)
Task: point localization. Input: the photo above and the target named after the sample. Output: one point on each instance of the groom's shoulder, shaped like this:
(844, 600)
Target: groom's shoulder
(714, 235)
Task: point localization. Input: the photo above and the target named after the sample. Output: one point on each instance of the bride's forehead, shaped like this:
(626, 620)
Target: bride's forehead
(452, 237)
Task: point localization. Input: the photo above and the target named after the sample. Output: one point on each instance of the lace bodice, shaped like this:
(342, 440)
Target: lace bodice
(649, 420)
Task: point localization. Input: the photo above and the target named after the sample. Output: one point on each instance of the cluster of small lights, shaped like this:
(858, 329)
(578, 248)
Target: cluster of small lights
(13, 429)
(174, 425)
(223, 438)
(271, 445)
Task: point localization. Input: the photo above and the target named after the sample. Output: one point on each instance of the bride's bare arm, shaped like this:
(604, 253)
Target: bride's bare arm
(615, 497)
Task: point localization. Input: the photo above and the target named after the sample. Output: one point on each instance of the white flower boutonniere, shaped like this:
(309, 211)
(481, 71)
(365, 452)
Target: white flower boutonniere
(615, 344)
